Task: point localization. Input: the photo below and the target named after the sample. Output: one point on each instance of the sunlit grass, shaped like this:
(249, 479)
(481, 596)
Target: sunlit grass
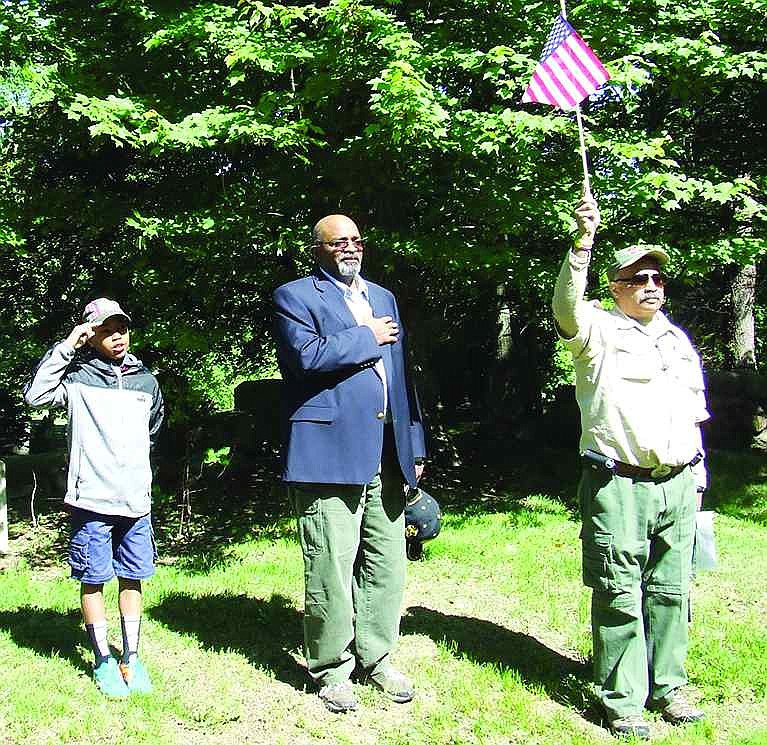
(495, 633)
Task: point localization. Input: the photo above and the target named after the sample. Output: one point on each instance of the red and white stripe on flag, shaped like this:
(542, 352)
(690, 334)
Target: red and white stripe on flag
(568, 70)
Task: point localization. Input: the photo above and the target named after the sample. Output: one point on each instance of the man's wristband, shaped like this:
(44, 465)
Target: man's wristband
(582, 245)
(420, 461)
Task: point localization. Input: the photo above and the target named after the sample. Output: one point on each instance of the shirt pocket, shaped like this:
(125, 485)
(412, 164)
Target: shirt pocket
(689, 373)
(639, 363)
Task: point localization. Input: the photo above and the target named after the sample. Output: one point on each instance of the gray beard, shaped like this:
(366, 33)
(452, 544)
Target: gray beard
(348, 269)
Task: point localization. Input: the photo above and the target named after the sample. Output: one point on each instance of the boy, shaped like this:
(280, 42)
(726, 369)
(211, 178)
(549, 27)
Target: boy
(115, 410)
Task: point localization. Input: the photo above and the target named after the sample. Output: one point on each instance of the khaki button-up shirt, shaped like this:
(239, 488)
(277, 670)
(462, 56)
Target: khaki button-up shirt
(639, 387)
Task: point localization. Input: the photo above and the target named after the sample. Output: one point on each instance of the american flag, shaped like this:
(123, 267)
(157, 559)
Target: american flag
(568, 70)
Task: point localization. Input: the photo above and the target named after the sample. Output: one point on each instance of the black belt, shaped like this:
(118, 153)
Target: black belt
(658, 473)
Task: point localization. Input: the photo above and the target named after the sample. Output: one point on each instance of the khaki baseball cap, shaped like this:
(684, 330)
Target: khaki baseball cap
(627, 256)
(97, 311)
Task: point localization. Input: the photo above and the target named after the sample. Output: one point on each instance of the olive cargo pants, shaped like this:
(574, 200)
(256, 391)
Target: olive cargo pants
(353, 541)
(637, 551)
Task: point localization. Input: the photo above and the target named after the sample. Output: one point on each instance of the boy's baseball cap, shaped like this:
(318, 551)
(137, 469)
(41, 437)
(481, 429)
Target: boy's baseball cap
(627, 256)
(97, 311)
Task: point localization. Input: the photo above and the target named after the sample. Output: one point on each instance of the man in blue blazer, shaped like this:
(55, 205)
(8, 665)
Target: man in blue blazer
(353, 438)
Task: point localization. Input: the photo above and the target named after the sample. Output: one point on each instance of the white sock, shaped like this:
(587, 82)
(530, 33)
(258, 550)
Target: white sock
(131, 626)
(97, 633)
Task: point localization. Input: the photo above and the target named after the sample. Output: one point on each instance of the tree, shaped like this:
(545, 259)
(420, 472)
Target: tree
(176, 154)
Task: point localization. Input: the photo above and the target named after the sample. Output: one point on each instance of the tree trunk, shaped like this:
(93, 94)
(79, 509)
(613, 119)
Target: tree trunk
(3, 512)
(498, 379)
(743, 343)
(504, 339)
(514, 386)
(743, 292)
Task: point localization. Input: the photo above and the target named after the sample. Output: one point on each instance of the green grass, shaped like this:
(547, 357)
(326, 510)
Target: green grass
(495, 633)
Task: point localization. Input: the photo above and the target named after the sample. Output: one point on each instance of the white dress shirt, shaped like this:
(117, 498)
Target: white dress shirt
(357, 300)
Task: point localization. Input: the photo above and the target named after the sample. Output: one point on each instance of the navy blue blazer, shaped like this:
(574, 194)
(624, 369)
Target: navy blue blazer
(333, 398)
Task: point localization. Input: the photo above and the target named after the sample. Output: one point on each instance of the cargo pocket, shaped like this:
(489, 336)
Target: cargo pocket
(311, 532)
(78, 553)
(315, 604)
(598, 569)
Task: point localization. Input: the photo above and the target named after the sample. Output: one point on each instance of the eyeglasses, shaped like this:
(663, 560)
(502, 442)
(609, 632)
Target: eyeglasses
(642, 278)
(340, 243)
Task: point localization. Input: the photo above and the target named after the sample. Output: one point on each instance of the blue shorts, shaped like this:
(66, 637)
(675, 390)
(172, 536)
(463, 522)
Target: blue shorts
(104, 546)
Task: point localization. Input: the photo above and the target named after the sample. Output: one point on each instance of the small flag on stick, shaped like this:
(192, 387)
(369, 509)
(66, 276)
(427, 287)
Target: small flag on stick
(568, 70)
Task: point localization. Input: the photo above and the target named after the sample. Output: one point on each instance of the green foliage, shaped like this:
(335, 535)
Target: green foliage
(215, 377)
(176, 154)
(562, 369)
(220, 456)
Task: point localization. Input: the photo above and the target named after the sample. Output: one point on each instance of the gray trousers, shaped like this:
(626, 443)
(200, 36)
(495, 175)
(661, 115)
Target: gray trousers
(353, 542)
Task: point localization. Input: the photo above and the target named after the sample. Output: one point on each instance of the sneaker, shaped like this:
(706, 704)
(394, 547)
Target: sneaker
(136, 677)
(109, 680)
(394, 685)
(631, 726)
(681, 711)
(339, 697)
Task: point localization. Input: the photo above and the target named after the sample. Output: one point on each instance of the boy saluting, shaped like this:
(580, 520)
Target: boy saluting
(115, 410)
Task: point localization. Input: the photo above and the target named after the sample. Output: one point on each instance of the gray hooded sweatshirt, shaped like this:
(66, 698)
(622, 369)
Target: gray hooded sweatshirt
(115, 411)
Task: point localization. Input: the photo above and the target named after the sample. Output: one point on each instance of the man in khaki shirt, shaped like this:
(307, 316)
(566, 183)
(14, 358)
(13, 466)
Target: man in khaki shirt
(640, 389)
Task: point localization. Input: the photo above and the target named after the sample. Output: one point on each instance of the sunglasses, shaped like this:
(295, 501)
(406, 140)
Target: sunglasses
(642, 278)
(341, 243)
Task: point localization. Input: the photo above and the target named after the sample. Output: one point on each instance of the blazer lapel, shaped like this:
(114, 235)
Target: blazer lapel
(331, 295)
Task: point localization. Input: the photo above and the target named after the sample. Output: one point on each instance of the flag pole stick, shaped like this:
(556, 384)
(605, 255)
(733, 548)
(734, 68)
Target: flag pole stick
(586, 184)
(581, 137)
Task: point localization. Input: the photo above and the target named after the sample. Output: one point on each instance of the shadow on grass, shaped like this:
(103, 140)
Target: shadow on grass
(738, 485)
(48, 633)
(37, 527)
(246, 506)
(225, 512)
(263, 630)
(564, 679)
(483, 475)
(494, 475)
